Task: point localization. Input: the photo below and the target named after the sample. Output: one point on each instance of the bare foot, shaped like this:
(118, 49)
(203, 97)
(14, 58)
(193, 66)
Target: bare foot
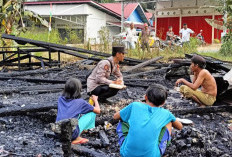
(202, 106)
(80, 140)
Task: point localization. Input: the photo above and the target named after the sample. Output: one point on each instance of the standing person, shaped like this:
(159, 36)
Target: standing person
(145, 129)
(170, 36)
(98, 81)
(202, 78)
(70, 105)
(145, 38)
(200, 37)
(185, 33)
(130, 36)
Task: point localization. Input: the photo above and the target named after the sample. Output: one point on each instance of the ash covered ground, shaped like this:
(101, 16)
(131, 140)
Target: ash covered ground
(29, 134)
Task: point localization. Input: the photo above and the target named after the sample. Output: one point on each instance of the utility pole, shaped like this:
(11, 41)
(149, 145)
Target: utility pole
(122, 16)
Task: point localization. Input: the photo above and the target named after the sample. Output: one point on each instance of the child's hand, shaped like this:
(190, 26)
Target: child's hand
(94, 97)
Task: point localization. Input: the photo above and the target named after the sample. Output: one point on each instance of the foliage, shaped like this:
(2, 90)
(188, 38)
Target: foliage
(168, 53)
(12, 15)
(43, 35)
(226, 9)
(104, 36)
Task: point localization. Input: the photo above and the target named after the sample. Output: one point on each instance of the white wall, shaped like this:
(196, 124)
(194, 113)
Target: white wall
(114, 30)
(58, 9)
(95, 21)
(183, 4)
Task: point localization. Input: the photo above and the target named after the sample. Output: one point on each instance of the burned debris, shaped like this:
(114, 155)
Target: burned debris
(28, 103)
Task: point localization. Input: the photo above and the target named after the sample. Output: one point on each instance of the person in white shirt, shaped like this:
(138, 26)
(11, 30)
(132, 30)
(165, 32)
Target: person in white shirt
(130, 36)
(185, 33)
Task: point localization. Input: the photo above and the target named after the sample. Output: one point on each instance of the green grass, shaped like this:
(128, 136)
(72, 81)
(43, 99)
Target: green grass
(217, 55)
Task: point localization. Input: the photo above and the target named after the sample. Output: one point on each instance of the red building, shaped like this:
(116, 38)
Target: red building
(192, 12)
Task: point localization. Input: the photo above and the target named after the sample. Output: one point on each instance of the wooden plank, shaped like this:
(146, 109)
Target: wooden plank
(145, 63)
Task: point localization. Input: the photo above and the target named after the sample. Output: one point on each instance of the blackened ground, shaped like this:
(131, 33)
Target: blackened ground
(29, 136)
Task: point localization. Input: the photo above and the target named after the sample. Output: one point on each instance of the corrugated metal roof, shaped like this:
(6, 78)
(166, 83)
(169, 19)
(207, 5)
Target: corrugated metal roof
(92, 3)
(117, 8)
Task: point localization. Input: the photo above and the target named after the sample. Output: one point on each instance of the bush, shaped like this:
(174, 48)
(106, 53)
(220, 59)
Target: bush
(216, 41)
(42, 34)
(226, 48)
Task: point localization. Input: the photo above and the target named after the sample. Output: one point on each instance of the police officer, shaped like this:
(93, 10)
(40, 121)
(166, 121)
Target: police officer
(98, 81)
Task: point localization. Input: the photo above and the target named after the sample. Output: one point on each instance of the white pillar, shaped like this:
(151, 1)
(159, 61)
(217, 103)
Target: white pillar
(122, 17)
(213, 17)
(156, 13)
(180, 22)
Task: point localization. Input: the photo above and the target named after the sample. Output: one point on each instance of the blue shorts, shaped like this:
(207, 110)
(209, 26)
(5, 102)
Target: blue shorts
(164, 137)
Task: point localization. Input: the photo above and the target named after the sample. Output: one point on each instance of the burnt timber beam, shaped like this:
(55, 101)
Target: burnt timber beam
(54, 63)
(157, 71)
(212, 63)
(31, 72)
(206, 110)
(17, 110)
(27, 50)
(57, 87)
(52, 45)
(33, 80)
(145, 63)
(82, 150)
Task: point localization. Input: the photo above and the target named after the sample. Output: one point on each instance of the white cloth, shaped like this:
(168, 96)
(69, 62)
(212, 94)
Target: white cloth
(228, 77)
(130, 35)
(186, 34)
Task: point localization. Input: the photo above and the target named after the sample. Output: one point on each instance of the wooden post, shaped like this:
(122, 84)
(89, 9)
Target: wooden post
(59, 59)
(213, 17)
(18, 51)
(50, 60)
(156, 14)
(30, 60)
(180, 20)
(122, 16)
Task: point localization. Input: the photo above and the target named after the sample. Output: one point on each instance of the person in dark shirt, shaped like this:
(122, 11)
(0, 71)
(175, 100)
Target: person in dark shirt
(170, 36)
(70, 105)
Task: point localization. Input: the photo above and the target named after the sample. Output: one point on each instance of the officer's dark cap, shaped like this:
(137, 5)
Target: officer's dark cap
(118, 49)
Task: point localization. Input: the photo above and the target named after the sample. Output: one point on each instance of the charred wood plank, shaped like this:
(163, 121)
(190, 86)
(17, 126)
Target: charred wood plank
(82, 150)
(31, 72)
(16, 59)
(16, 110)
(104, 138)
(57, 46)
(28, 89)
(212, 64)
(157, 71)
(35, 80)
(145, 63)
(54, 63)
(206, 110)
(65, 137)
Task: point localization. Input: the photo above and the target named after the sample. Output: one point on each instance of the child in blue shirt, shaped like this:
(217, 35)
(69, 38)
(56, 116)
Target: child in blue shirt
(146, 128)
(70, 105)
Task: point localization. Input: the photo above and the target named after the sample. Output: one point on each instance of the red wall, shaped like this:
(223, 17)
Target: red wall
(164, 23)
(196, 23)
(217, 32)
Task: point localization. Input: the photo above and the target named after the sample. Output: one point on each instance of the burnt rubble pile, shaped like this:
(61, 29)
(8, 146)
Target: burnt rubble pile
(28, 103)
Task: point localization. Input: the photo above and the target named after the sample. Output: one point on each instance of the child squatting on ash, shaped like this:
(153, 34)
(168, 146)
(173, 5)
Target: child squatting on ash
(145, 128)
(70, 105)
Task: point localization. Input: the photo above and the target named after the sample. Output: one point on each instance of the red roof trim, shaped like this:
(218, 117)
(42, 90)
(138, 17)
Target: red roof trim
(71, 2)
(116, 7)
(57, 2)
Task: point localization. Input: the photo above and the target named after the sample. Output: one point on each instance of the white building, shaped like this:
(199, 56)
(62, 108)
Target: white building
(85, 16)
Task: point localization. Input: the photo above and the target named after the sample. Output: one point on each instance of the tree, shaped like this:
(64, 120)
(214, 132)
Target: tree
(226, 9)
(12, 15)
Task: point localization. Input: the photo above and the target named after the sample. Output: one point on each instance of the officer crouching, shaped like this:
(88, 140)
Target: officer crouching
(98, 81)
